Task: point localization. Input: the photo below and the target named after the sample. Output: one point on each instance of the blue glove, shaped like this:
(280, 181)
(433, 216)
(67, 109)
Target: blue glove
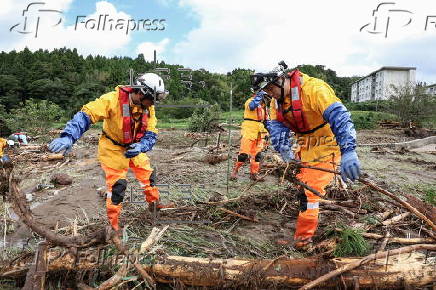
(60, 144)
(133, 150)
(5, 161)
(342, 126)
(279, 134)
(287, 154)
(257, 100)
(74, 129)
(146, 144)
(350, 166)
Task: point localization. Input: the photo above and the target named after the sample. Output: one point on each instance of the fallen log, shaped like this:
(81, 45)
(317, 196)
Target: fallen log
(409, 269)
(401, 268)
(383, 255)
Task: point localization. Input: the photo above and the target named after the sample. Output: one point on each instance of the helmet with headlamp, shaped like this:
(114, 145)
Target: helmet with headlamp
(151, 86)
(260, 81)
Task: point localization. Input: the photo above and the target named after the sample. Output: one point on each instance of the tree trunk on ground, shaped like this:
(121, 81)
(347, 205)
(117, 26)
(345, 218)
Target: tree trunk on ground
(398, 271)
(408, 269)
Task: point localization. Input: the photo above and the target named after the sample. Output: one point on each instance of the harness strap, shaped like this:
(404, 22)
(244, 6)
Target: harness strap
(115, 142)
(313, 130)
(248, 119)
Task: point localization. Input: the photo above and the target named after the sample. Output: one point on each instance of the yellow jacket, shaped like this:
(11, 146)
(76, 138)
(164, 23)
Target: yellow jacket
(3, 145)
(107, 109)
(251, 129)
(317, 96)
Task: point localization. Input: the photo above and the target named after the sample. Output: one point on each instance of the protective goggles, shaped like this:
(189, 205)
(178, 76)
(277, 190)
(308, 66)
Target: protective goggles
(156, 97)
(259, 81)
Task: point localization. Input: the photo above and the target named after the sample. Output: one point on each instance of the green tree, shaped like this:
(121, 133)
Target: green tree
(412, 103)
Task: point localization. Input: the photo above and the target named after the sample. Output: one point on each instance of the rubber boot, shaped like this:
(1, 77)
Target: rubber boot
(307, 223)
(254, 170)
(113, 213)
(235, 171)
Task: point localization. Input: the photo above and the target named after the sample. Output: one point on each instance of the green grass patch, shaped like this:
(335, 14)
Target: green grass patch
(172, 123)
(430, 195)
(370, 119)
(235, 115)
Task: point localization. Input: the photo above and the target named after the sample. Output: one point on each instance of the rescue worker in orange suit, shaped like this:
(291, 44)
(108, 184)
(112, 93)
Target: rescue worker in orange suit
(129, 131)
(252, 136)
(324, 130)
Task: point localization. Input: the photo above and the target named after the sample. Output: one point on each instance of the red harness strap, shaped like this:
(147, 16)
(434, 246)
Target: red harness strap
(298, 122)
(128, 122)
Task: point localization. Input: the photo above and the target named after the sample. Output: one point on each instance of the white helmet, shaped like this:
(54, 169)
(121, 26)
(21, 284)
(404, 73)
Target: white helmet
(153, 85)
(11, 143)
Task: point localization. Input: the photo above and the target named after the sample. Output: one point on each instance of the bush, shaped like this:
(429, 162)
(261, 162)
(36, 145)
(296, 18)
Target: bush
(34, 117)
(369, 120)
(377, 106)
(412, 103)
(204, 119)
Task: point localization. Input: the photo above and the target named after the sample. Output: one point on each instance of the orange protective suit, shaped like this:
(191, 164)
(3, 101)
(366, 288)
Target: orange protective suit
(317, 149)
(253, 133)
(111, 156)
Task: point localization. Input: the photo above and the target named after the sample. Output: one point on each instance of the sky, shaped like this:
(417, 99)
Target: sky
(353, 37)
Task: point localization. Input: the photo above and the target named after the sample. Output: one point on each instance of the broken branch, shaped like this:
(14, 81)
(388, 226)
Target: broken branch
(238, 215)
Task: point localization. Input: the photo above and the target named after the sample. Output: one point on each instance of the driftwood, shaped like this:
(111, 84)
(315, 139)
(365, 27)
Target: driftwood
(396, 219)
(409, 269)
(405, 241)
(251, 219)
(392, 269)
(52, 157)
(405, 204)
(35, 278)
(383, 255)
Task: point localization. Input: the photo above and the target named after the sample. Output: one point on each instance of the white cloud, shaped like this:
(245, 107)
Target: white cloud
(256, 34)
(148, 48)
(85, 39)
(88, 37)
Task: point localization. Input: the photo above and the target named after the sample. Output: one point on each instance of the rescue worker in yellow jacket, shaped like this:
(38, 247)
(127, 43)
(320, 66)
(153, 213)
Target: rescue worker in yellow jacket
(3, 145)
(129, 131)
(324, 130)
(5, 161)
(252, 136)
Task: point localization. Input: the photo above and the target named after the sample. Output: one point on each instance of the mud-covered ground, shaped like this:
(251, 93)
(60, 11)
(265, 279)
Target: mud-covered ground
(197, 229)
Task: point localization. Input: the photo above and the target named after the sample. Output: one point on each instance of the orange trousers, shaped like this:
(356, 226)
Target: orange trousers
(251, 149)
(142, 174)
(307, 221)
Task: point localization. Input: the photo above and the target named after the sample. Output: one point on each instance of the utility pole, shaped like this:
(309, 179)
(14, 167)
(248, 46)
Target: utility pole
(229, 159)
